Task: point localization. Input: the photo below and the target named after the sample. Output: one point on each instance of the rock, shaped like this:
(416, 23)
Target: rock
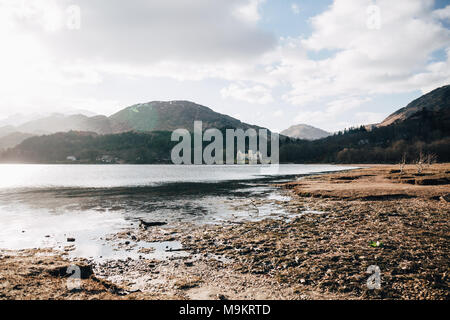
(146, 224)
(70, 239)
(86, 271)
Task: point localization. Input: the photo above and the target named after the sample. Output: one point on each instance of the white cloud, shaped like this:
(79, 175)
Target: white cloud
(249, 11)
(342, 105)
(253, 94)
(295, 8)
(334, 110)
(443, 14)
(434, 75)
(390, 60)
(183, 41)
(278, 113)
(142, 33)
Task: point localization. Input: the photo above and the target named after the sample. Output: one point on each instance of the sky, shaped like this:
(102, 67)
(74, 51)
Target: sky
(274, 63)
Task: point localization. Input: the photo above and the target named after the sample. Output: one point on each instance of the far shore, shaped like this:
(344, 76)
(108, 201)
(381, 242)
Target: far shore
(390, 217)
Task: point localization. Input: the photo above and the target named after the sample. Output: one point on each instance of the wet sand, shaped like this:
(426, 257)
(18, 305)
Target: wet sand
(340, 224)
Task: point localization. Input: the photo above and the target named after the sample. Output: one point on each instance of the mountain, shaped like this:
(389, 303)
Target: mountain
(145, 117)
(62, 123)
(171, 115)
(13, 139)
(434, 101)
(4, 131)
(305, 132)
(19, 118)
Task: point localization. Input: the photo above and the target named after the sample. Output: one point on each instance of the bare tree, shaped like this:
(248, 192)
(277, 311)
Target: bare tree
(402, 163)
(420, 162)
(431, 158)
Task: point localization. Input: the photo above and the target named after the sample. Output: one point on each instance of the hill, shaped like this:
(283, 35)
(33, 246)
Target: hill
(435, 101)
(62, 123)
(145, 117)
(305, 132)
(423, 132)
(171, 115)
(89, 147)
(12, 139)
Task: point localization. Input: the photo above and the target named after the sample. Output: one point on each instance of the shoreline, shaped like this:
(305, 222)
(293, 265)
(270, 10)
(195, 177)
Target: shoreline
(321, 253)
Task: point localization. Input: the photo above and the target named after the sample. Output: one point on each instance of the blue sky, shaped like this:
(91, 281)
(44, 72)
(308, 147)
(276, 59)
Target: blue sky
(328, 63)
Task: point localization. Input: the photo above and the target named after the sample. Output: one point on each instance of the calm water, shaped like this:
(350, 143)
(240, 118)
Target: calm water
(43, 205)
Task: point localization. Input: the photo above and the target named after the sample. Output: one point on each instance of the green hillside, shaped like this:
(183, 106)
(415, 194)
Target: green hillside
(171, 115)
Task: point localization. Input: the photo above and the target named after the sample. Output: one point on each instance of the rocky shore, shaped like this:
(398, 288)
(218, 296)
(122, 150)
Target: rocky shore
(339, 225)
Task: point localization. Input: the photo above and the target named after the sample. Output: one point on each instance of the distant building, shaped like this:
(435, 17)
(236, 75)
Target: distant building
(250, 157)
(107, 159)
(71, 158)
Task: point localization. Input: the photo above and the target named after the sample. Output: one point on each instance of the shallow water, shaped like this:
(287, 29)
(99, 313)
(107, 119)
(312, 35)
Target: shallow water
(43, 205)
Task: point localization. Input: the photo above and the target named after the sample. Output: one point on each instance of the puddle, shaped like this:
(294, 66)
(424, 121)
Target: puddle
(278, 196)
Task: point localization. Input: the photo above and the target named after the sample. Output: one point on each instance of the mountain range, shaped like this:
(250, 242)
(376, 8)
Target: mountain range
(144, 117)
(423, 123)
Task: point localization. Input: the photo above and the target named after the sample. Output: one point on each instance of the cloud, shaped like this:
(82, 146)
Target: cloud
(249, 11)
(278, 113)
(253, 94)
(221, 39)
(442, 14)
(364, 61)
(295, 8)
(143, 33)
(336, 109)
(342, 105)
(193, 40)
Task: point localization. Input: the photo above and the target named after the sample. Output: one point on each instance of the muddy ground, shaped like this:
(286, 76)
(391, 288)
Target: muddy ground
(341, 224)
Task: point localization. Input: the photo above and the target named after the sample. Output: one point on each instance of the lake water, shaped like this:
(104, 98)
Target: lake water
(43, 205)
